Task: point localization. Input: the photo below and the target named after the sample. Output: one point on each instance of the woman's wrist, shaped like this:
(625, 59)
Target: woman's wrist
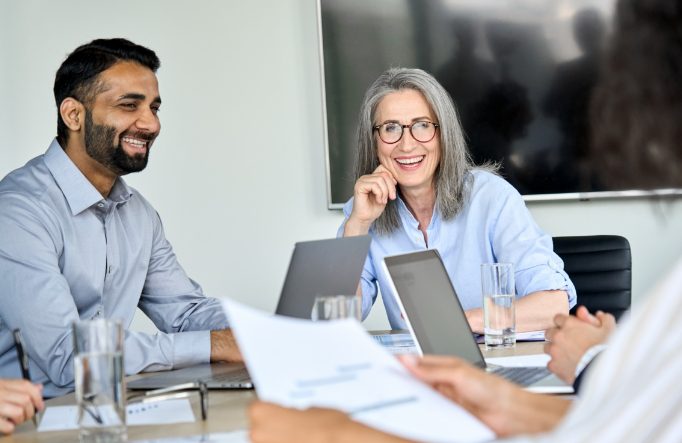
(355, 227)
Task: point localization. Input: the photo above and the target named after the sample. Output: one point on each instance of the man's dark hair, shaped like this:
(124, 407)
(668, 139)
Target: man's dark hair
(637, 105)
(78, 76)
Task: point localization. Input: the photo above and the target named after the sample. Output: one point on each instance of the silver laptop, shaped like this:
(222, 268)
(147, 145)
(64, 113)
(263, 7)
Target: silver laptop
(320, 267)
(438, 323)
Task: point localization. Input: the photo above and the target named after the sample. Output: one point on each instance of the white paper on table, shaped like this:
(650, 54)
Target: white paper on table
(539, 360)
(59, 418)
(520, 336)
(531, 335)
(336, 364)
(221, 437)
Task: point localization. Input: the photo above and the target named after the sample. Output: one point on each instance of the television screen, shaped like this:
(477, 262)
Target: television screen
(519, 71)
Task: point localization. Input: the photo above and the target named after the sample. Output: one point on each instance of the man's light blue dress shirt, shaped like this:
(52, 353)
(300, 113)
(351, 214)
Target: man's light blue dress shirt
(493, 227)
(68, 254)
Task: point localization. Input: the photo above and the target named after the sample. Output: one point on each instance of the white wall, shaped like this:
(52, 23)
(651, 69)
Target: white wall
(238, 171)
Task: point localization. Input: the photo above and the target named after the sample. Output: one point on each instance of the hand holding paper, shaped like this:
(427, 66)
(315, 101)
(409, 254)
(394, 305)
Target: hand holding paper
(299, 363)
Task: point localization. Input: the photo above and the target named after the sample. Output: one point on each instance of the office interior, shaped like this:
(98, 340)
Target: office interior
(238, 173)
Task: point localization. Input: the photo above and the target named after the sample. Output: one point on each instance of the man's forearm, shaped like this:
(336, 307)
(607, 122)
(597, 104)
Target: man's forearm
(224, 346)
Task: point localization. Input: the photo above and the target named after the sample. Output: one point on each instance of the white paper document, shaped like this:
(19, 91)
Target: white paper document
(336, 364)
(520, 336)
(59, 418)
(220, 437)
(539, 360)
(531, 335)
(397, 344)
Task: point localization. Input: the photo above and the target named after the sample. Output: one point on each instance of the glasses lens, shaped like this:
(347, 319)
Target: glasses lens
(390, 132)
(423, 131)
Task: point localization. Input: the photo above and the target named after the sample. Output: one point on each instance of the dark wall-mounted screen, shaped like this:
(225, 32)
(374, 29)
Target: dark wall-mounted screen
(520, 73)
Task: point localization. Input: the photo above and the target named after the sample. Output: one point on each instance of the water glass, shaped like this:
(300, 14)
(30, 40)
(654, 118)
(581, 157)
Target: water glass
(99, 380)
(334, 307)
(499, 318)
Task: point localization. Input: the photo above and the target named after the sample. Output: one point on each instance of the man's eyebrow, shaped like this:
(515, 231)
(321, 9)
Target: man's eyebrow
(138, 96)
(132, 96)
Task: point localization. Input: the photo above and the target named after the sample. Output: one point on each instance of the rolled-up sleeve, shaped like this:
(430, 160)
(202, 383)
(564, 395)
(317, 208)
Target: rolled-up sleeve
(517, 239)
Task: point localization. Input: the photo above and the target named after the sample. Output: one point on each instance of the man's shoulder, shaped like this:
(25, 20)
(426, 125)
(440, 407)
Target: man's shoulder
(29, 182)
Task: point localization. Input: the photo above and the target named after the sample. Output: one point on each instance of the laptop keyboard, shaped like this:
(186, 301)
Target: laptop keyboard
(524, 376)
(239, 376)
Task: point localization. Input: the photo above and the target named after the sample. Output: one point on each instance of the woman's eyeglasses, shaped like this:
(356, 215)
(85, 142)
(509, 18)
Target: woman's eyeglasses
(423, 131)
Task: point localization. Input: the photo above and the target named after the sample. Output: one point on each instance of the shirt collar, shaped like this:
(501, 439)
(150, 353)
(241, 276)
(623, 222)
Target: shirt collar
(405, 214)
(120, 192)
(77, 189)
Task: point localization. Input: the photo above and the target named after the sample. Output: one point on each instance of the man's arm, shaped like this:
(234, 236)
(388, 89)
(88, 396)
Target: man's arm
(36, 297)
(224, 346)
(177, 304)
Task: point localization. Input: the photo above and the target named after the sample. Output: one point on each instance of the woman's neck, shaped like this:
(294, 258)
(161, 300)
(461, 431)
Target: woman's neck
(421, 203)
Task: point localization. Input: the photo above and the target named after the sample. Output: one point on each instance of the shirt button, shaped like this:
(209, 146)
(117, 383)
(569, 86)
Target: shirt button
(101, 205)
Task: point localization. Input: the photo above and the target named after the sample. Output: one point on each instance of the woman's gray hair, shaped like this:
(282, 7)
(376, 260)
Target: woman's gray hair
(452, 177)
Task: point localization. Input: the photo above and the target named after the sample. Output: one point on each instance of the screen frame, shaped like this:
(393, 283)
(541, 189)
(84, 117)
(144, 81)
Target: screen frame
(568, 196)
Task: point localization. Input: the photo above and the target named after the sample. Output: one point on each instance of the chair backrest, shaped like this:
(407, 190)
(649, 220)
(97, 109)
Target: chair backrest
(600, 267)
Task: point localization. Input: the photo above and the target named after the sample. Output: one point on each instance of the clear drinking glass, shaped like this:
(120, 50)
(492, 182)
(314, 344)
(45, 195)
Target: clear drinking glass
(333, 307)
(99, 380)
(499, 317)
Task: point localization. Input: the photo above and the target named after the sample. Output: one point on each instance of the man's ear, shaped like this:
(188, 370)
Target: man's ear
(73, 113)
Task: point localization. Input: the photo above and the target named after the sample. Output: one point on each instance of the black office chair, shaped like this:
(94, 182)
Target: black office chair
(600, 267)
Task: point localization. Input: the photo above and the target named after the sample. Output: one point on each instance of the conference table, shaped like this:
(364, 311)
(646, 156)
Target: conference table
(227, 411)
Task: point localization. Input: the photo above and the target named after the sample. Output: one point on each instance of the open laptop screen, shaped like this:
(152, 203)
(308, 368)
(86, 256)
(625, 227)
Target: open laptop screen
(322, 267)
(430, 302)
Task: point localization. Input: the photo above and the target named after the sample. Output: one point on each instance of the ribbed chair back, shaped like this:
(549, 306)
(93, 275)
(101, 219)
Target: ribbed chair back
(600, 267)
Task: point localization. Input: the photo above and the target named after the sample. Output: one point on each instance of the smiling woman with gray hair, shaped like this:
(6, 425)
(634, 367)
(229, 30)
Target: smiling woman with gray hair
(633, 393)
(417, 188)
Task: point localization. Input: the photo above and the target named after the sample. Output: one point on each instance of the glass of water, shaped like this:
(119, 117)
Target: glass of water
(334, 307)
(499, 317)
(99, 380)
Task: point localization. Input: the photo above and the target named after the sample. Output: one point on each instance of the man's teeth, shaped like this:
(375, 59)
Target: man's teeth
(409, 161)
(134, 141)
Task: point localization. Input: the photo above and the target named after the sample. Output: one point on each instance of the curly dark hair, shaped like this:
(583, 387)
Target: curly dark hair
(636, 111)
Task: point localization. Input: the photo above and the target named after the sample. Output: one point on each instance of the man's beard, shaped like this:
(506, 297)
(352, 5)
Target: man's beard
(99, 144)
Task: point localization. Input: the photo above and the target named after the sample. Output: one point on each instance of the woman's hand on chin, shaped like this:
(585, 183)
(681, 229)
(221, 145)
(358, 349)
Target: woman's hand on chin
(370, 196)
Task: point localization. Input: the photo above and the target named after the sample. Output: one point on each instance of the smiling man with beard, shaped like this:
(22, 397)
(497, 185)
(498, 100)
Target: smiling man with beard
(78, 243)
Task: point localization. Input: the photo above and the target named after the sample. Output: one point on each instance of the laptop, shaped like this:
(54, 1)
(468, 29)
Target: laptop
(320, 267)
(438, 323)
